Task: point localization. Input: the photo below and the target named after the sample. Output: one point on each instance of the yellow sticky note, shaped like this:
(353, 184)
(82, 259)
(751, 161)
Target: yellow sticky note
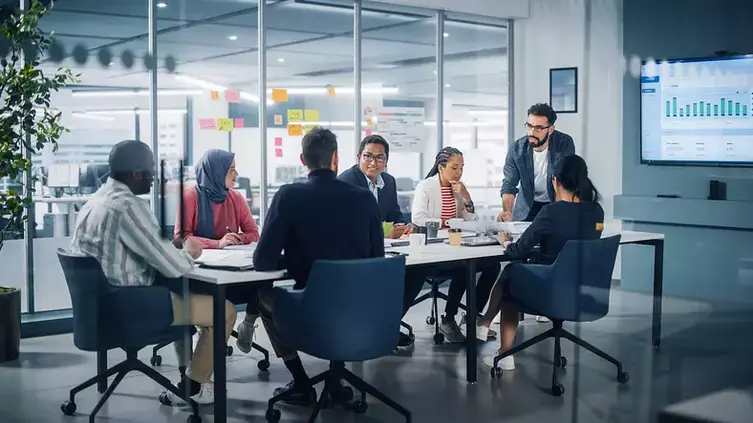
(295, 115)
(295, 129)
(311, 115)
(214, 95)
(225, 125)
(308, 128)
(331, 91)
(279, 95)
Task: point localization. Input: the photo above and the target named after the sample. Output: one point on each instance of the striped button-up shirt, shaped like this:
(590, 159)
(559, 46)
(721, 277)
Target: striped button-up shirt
(121, 232)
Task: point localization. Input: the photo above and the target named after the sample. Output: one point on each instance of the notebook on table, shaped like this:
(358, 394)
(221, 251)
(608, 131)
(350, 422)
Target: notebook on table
(227, 259)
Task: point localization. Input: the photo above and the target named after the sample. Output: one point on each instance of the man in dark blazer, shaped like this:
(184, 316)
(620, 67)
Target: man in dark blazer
(322, 219)
(373, 154)
(527, 184)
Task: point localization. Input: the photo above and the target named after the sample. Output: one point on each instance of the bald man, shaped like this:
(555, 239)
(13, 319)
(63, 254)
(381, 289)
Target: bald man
(119, 229)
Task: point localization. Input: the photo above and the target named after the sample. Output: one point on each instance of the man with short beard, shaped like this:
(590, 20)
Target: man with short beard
(529, 164)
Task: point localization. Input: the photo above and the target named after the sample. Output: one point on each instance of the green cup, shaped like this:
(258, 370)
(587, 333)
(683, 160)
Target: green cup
(387, 228)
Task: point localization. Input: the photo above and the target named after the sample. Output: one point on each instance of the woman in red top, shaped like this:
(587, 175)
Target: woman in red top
(217, 216)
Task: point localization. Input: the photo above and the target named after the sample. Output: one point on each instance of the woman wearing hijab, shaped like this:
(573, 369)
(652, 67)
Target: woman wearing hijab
(217, 216)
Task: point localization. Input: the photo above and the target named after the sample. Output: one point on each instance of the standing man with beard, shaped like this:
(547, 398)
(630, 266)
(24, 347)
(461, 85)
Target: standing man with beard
(529, 164)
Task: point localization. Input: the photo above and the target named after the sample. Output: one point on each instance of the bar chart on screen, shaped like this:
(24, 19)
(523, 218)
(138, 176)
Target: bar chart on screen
(707, 108)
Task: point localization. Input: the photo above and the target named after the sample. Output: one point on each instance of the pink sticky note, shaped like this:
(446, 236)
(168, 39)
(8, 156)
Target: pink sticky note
(239, 122)
(207, 124)
(232, 96)
(278, 152)
(278, 141)
(369, 132)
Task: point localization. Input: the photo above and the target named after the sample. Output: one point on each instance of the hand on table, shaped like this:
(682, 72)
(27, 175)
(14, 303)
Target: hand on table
(192, 247)
(504, 237)
(504, 216)
(398, 230)
(230, 238)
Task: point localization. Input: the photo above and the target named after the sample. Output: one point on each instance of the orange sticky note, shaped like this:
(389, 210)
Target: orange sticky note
(239, 122)
(225, 125)
(279, 95)
(599, 226)
(331, 91)
(295, 129)
(207, 124)
(214, 95)
(232, 96)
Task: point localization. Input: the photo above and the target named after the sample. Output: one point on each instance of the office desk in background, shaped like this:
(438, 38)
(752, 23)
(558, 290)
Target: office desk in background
(216, 282)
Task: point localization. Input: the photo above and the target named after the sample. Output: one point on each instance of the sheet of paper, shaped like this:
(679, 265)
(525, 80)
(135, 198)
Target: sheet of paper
(227, 258)
(206, 124)
(250, 247)
(278, 119)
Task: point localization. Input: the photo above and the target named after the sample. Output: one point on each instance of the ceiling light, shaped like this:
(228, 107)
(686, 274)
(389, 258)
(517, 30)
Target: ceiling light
(162, 5)
(446, 35)
(232, 37)
(120, 112)
(84, 115)
(280, 60)
(208, 85)
(487, 112)
(133, 93)
(435, 72)
(340, 90)
(447, 85)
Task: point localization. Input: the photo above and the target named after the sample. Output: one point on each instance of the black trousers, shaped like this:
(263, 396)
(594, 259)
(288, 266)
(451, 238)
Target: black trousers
(415, 279)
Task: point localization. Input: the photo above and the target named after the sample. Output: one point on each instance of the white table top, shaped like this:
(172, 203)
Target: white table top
(428, 254)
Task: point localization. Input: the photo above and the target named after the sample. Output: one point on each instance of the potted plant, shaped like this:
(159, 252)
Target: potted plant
(28, 124)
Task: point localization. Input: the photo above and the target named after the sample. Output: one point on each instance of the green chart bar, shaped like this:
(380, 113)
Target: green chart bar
(682, 113)
(723, 103)
(687, 110)
(667, 112)
(745, 110)
(708, 109)
(701, 108)
(695, 109)
(729, 108)
(737, 109)
(674, 106)
(716, 110)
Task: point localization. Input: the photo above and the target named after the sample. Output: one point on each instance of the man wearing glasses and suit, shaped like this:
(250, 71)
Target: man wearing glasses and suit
(529, 164)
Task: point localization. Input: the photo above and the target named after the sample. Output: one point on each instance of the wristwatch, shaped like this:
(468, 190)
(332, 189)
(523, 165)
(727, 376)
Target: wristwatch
(469, 205)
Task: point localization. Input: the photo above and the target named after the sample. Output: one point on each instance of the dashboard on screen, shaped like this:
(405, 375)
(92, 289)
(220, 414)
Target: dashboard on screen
(698, 111)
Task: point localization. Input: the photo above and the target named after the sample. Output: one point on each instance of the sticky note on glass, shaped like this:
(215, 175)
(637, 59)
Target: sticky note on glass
(369, 132)
(207, 124)
(295, 129)
(232, 96)
(278, 119)
(308, 128)
(239, 122)
(225, 124)
(278, 141)
(331, 91)
(295, 115)
(214, 95)
(278, 152)
(311, 115)
(279, 95)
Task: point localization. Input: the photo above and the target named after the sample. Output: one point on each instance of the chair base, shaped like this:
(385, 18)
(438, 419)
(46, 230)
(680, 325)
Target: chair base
(560, 361)
(433, 319)
(334, 376)
(130, 364)
(262, 365)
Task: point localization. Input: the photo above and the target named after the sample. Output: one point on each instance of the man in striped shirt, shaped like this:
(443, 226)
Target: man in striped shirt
(119, 229)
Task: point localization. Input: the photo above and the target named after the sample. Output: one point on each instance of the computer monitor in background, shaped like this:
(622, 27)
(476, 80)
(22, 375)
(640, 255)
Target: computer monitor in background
(59, 176)
(95, 176)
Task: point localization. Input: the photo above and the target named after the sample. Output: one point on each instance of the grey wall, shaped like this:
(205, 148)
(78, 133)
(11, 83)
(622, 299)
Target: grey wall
(701, 260)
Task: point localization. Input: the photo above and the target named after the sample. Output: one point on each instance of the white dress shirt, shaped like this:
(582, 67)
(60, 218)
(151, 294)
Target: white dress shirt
(119, 229)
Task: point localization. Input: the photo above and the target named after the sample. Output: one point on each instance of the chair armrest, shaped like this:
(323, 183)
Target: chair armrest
(149, 307)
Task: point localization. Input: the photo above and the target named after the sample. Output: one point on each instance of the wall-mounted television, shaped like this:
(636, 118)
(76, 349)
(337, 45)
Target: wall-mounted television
(697, 111)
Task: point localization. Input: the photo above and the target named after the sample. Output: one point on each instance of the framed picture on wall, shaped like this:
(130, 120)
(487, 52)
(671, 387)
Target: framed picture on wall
(563, 90)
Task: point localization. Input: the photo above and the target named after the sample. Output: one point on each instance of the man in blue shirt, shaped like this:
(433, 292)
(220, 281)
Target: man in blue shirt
(322, 219)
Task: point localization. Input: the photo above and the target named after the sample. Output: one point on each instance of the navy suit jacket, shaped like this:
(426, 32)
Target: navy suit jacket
(518, 170)
(388, 205)
(322, 219)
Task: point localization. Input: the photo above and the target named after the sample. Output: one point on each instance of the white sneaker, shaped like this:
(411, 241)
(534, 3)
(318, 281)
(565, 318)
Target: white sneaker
(204, 397)
(482, 333)
(506, 364)
(497, 319)
(245, 336)
(542, 319)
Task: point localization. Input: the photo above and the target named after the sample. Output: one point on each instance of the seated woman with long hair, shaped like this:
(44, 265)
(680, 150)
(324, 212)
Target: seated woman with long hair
(575, 214)
(443, 196)
(217, 216)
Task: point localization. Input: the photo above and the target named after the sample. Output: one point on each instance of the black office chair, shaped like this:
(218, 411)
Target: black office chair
(263, 365)
(107, 317)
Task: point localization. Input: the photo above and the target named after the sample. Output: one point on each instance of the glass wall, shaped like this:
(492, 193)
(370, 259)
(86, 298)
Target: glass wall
(208, 95)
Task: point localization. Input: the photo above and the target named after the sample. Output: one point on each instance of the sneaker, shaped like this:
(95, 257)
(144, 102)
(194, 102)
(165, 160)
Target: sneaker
(405, 341)
(451, 331)
(303, 396)
(542, 319)
(204, 397)
(485, 333)
(245, 336)
(506, 364)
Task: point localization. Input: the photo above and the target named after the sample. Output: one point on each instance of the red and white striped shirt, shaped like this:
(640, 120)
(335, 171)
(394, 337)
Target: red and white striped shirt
(449, 207)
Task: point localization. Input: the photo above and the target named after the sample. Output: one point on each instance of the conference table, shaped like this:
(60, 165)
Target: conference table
(216, 283)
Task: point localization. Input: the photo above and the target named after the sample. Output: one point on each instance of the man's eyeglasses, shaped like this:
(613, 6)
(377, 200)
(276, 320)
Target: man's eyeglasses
(537, 128)
(380, 158)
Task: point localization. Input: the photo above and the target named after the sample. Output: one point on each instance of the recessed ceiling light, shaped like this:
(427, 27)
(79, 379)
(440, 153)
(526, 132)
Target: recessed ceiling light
(162, 5)
(435, 72)
(232, 37)
(447, 85)
(281, 60)
(446, 34)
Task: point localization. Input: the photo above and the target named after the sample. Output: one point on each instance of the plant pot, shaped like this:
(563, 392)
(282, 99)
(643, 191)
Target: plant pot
(10, 324)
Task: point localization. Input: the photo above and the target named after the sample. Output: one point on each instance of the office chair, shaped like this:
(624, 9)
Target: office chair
(107, 317)
(357, 323)
(263, 364)
(575, 288)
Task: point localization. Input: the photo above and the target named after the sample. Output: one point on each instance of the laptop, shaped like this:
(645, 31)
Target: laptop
(479, 241)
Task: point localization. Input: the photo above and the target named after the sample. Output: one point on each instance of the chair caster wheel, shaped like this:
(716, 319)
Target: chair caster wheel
(345, 394)
(560, 362)
(156, 360)
(360, 407)
(273, 415)
(623, 377)
(438, 338)
(430, 320)
(68, 408)
(558, 390)
(495, 372)
(228, 351)
(193, 419)
(263, 365)
(164, 399)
